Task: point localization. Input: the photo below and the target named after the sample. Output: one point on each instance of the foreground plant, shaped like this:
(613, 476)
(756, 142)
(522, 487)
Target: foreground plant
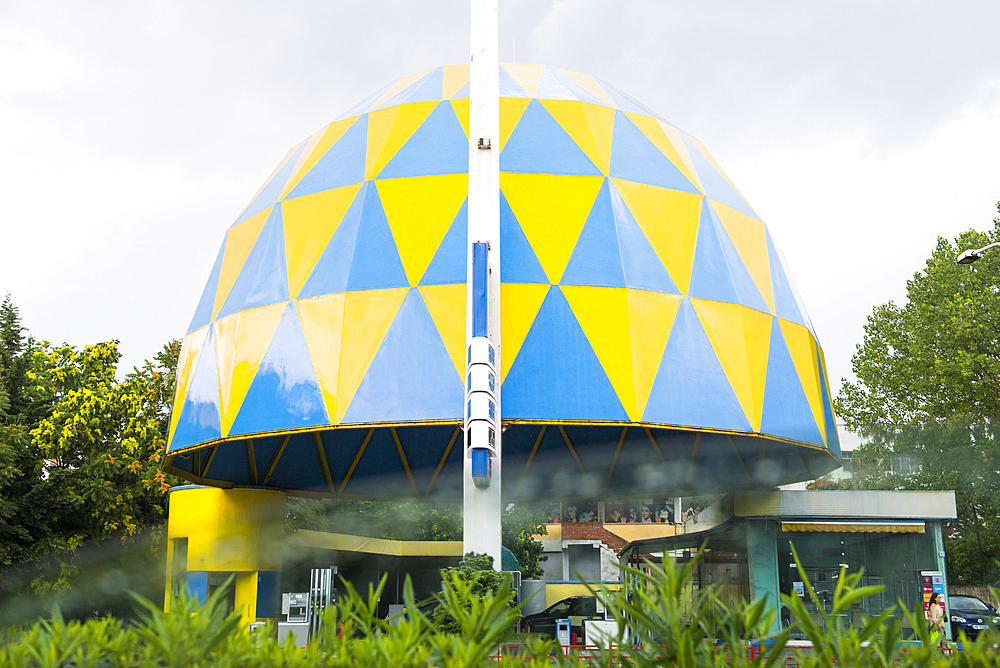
(663, 620)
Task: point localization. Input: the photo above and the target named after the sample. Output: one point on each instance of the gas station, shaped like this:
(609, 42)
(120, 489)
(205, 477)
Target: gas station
(501, 283)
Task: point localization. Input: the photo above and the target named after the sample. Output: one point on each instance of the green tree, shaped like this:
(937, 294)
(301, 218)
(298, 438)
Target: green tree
(928, 386)
(79, 454)
(475, 570)
(519, 526)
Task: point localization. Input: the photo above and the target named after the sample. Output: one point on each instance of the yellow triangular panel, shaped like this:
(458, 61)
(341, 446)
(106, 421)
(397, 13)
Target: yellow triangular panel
(369, 312)
(239, 242)
(802, 347)
(241, 340)
(420, 210)
(527, 76)
(676, 138)
(455, 76)
(511, 110)
(551, 210)
(387, 132)
(284, 161)
(309, 224)
(519, 304)
(603, 313)
(708, 156)
(311, 155)
(590, 126)
(446, 304)
(461, 108)
(591, 84)
(650, 317)
(398, 87)
(669, 218)
(826, 377)
(757, 330)
(322, 323)
(186, 364)
(307, 151)
(741, 338)
(748, 235)
(653, 130)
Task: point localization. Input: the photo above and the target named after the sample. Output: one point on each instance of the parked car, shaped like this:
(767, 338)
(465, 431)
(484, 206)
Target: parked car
(575, 608)
(972, 615)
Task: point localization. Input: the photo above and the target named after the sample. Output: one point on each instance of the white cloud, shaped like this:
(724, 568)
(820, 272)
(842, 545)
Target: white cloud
(132, 133)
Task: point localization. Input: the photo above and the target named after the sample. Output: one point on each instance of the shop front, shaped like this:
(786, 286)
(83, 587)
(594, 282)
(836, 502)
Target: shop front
(894, 538)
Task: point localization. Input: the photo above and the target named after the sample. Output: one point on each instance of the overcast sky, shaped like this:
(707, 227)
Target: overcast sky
(133, 133)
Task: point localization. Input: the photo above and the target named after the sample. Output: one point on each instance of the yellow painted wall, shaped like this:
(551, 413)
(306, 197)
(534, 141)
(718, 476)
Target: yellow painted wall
(557, 591)
(238, 530)
(228, 529)
(628, 532)
(631, 532)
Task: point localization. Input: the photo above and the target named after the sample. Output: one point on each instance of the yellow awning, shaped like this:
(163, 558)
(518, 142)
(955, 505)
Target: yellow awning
(855, 527)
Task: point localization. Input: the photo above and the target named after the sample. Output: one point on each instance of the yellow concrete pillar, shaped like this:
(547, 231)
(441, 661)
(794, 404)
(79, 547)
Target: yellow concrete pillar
(214, 534)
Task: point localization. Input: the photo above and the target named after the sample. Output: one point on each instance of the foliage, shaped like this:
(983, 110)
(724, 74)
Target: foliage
(662, 621)
(79, 454)
(474, 576)
(519, 526)
(928, 387)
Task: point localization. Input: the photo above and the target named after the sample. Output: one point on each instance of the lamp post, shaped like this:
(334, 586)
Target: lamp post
(970, 255)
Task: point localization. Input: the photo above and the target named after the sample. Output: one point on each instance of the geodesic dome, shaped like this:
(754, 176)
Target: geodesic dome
(652, 338)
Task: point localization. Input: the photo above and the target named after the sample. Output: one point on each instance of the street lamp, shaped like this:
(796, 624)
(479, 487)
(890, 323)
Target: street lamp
(970, 255)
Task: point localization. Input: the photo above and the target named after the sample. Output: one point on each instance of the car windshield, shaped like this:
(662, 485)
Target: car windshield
(560, 608)
(967, 603)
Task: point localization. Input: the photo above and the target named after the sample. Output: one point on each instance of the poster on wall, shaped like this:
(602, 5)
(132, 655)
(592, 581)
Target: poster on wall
(932, 582)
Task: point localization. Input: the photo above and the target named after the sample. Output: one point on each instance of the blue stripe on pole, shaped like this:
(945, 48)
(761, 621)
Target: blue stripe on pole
(480, 252)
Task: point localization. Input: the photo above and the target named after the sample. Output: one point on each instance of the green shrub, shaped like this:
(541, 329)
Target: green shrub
(662, 621)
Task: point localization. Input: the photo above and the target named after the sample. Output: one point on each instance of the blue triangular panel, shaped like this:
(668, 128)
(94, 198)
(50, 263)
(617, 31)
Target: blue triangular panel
(439, 146)
(333, 268)
(635, 158)
(539, 145)
(263, 279)
(786, 408)
(448, 266)
(425, 89)
(269, 193)
(463, 93)
(554, 85)
(746, 289)
(203, 314)
(785, 305)
(284, 393)
(518, 262)
(556, 374)
(626, 102)
(362, 107)
(412, 377)
(595, 259)
(690, 387)
(376, 261)
(199, 421)
(715, 185)
(832, 439)
(710, 277)
(340, 166)
(508, 86)
(643, 268)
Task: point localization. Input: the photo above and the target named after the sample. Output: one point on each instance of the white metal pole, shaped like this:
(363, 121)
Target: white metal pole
(481, 531)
